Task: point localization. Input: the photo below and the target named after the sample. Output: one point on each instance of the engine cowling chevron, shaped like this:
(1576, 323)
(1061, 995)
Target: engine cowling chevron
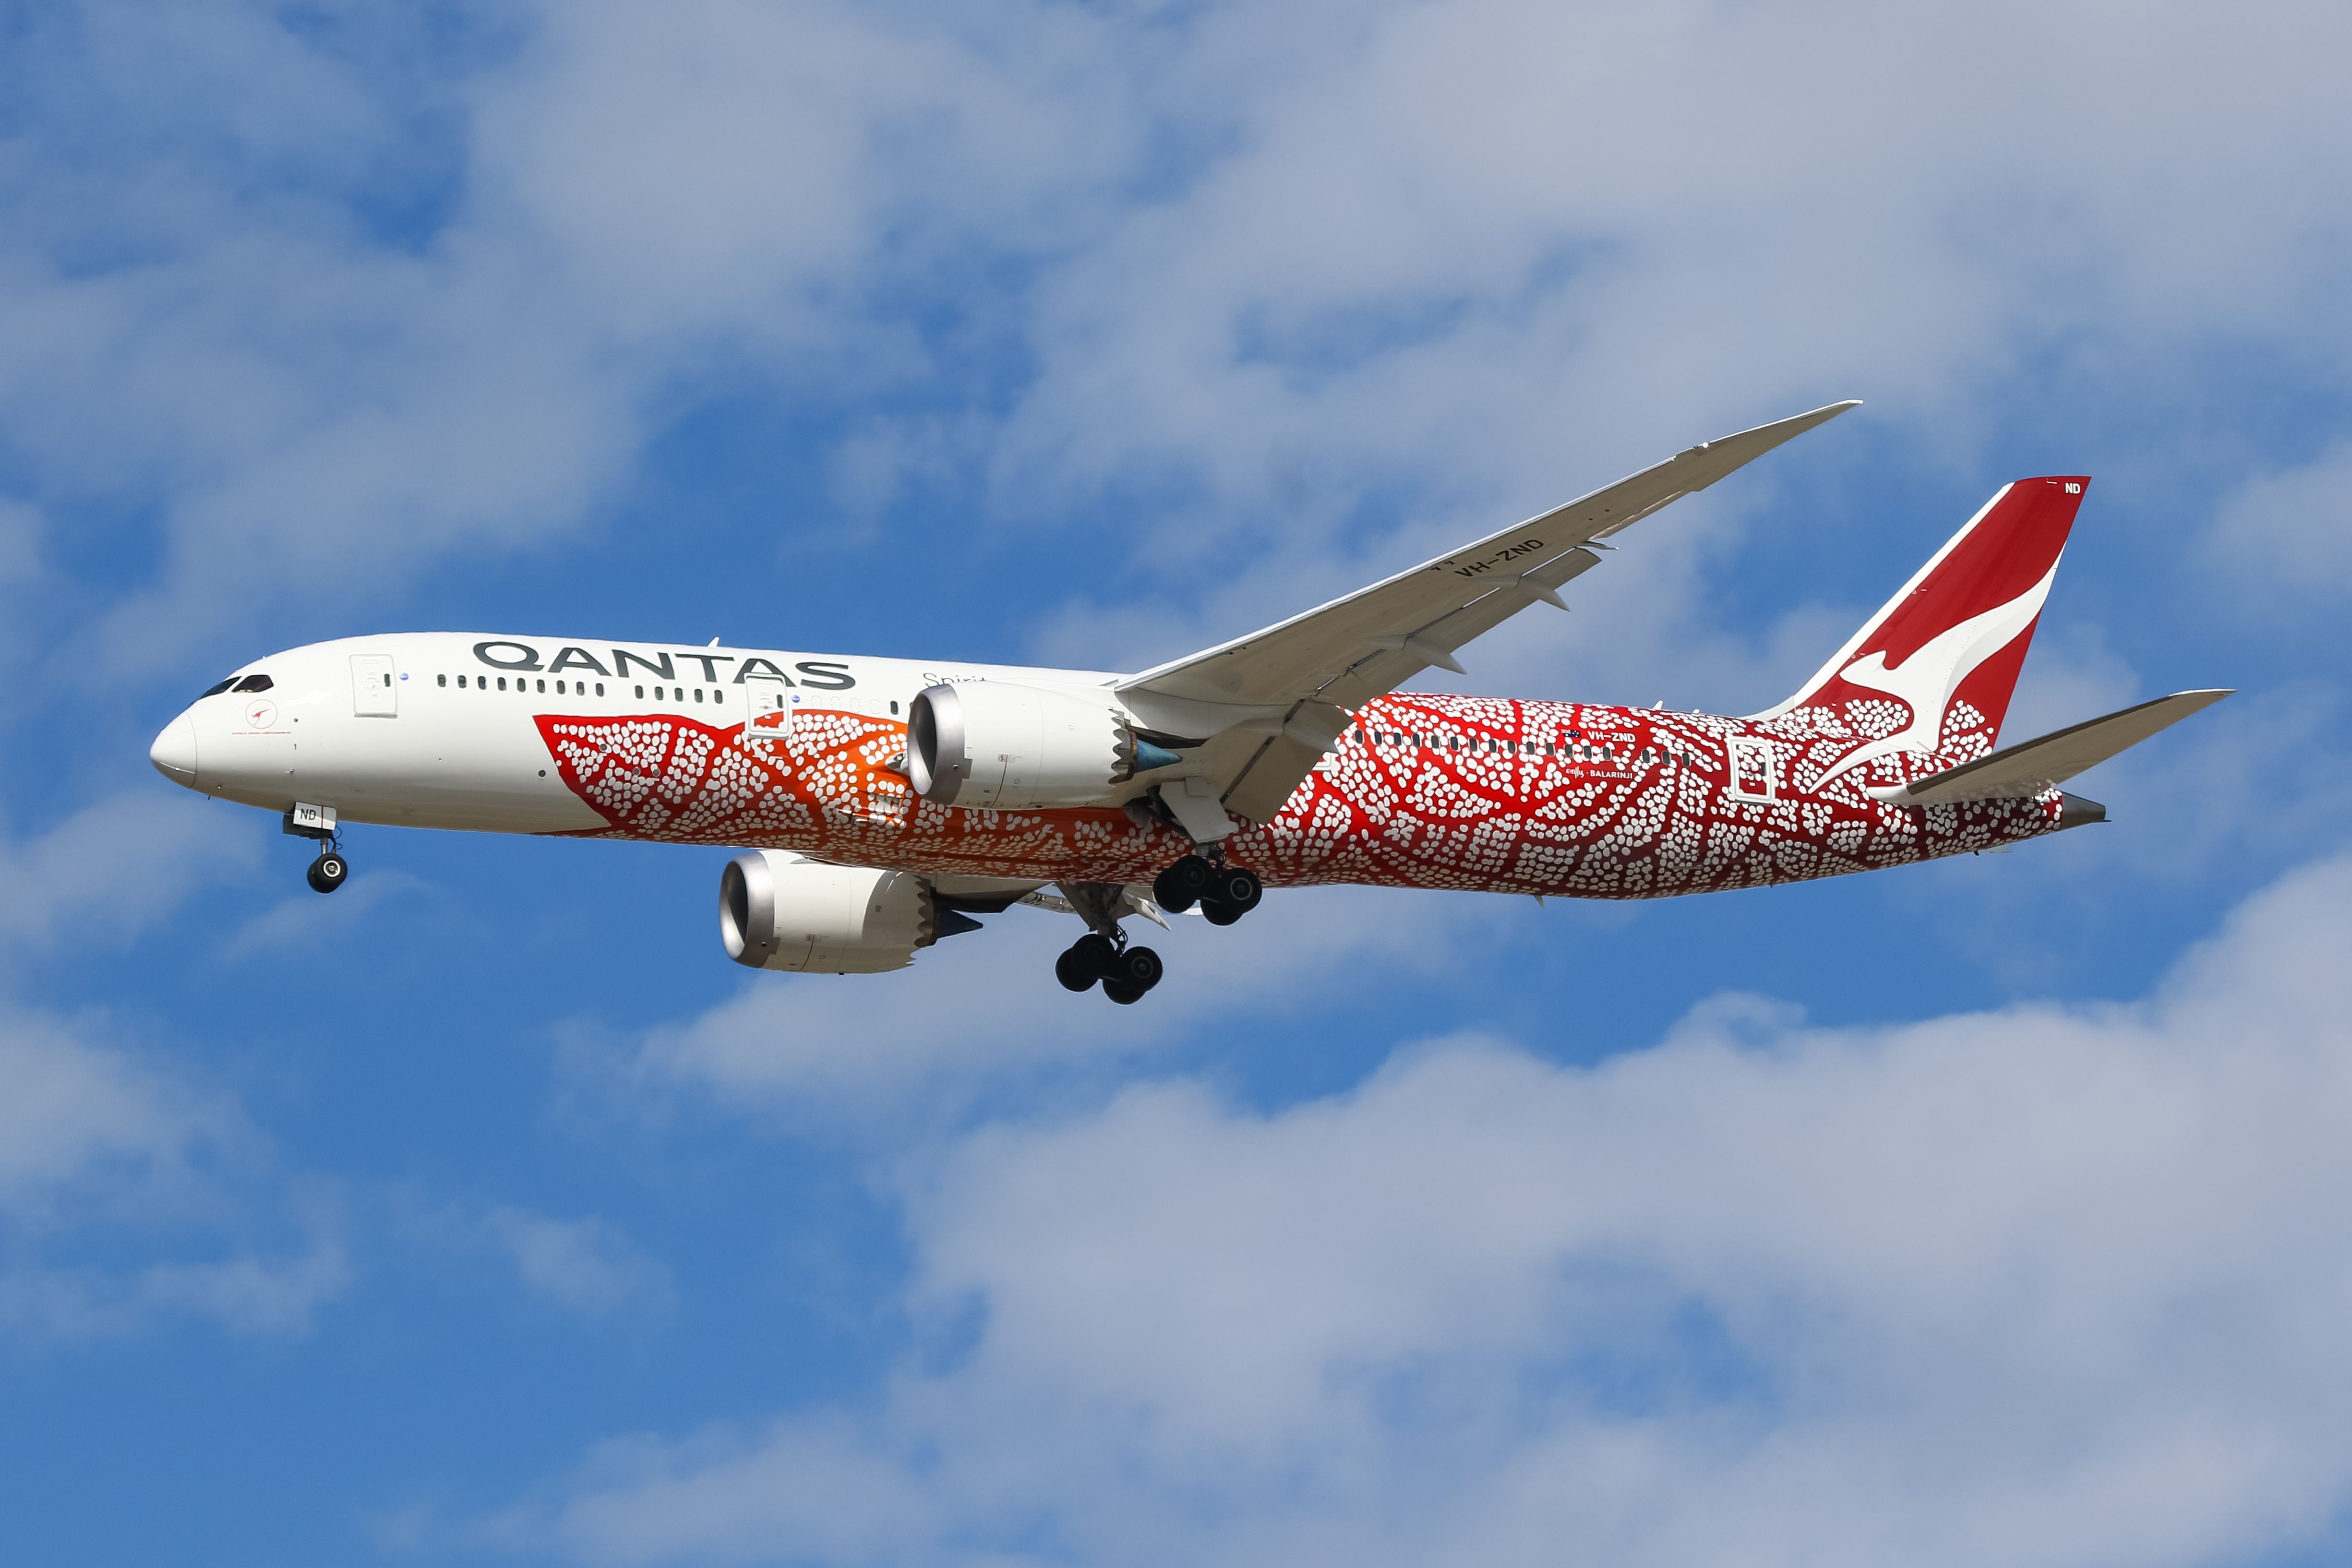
(997, 744)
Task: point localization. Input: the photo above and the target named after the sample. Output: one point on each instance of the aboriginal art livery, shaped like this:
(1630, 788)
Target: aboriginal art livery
(882, 804)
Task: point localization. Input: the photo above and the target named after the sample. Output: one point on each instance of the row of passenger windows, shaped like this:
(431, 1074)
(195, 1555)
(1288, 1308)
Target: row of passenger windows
(1577, 751)
(578, 688)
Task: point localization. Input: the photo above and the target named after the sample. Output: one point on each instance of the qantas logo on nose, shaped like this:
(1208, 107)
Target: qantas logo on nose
(260, 714)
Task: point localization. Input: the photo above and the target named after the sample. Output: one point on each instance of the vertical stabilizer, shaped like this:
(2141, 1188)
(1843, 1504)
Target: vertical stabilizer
(1927, 680)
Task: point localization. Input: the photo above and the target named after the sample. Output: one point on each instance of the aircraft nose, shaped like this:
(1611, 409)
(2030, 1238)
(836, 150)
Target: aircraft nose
(174, 751)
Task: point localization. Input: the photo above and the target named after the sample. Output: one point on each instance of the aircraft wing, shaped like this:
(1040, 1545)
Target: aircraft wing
(1298, 682)
(2025, 770)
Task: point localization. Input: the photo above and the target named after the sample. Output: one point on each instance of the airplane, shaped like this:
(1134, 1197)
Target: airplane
(884, 804)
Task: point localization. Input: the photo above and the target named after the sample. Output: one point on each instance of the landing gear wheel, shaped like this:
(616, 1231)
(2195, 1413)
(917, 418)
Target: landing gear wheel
(1233, 894)
(1095, 954)
(1122, 993)
(1179, 887)
(1075, 973)
(1239, 886)
(328, 872)
(1138, 968)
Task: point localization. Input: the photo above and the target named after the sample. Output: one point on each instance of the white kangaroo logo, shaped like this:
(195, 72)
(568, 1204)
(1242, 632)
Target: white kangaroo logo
(1925, 681)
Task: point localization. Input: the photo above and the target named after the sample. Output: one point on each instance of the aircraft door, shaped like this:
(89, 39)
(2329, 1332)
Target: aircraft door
(764, 697)
(374, 691)
(1754, 770)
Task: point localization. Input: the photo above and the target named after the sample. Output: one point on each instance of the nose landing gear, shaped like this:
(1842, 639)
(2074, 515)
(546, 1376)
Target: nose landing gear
(328, 872)
(304, 821)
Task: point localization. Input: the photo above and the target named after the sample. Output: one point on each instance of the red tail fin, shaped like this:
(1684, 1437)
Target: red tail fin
(1930, 674)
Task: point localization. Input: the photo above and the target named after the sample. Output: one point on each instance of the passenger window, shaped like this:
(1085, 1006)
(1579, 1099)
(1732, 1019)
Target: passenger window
(502, 683)
(440, 680)
(894, 710)
(697, 694)
(716, 696)
(600, 688)
(641, 691)
(542, 686)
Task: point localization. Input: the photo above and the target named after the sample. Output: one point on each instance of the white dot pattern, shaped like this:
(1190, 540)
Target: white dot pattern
(1422, 791)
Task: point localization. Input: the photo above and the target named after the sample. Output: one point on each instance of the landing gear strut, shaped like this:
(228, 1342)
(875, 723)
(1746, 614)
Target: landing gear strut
(304, 821)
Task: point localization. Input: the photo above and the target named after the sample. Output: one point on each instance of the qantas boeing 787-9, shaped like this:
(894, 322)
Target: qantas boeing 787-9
(882, 803)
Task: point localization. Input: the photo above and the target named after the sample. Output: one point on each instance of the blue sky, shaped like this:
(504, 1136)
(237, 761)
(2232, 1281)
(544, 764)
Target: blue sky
(1982, 1211)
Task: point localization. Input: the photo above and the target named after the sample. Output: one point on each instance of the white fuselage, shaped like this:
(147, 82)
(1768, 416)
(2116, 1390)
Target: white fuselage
(425, 751)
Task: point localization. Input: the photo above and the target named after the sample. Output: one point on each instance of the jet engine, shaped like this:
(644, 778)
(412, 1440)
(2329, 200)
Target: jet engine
(781, 912)
(986, 743)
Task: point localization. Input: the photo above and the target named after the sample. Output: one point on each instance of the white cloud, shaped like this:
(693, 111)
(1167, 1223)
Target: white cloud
(1455, 262)
(2290, 532)
(1314, 270)
(22, 528)
(99, 1147)
(246, 1292)
(115, 867)
(285, 927)
(585, 1265)
(68, 1108)
(2054, 1285)
(322, 401)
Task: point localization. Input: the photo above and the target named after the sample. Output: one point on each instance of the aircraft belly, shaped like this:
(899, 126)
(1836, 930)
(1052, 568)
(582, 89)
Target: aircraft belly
(1440, 793)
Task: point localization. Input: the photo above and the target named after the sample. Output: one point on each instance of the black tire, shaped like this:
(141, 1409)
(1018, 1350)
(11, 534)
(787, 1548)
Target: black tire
(1140, 967)
(1122, 993)
(1075, 973)
(1179, 887)
(1093, 955)
(1219, 913)
(328, 872)
(1239, 886)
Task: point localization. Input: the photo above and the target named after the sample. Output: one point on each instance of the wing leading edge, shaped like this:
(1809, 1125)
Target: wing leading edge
(1272, 702)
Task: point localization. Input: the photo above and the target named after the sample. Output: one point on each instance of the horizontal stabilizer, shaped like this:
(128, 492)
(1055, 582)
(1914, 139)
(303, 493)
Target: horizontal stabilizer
(2022, 772)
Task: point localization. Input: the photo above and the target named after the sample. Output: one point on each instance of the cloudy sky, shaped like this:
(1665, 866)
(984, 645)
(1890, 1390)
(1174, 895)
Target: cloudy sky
(1984, 1212)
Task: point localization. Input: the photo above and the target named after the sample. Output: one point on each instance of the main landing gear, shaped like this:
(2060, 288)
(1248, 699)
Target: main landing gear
(1225, 893)
(1126, 973)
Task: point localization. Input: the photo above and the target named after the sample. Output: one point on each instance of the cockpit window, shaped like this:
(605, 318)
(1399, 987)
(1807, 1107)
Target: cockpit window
(215, 690)
(254, 683)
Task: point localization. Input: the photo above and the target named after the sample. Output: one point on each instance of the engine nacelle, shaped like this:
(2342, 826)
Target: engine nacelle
(987, 743)
(781, 912)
